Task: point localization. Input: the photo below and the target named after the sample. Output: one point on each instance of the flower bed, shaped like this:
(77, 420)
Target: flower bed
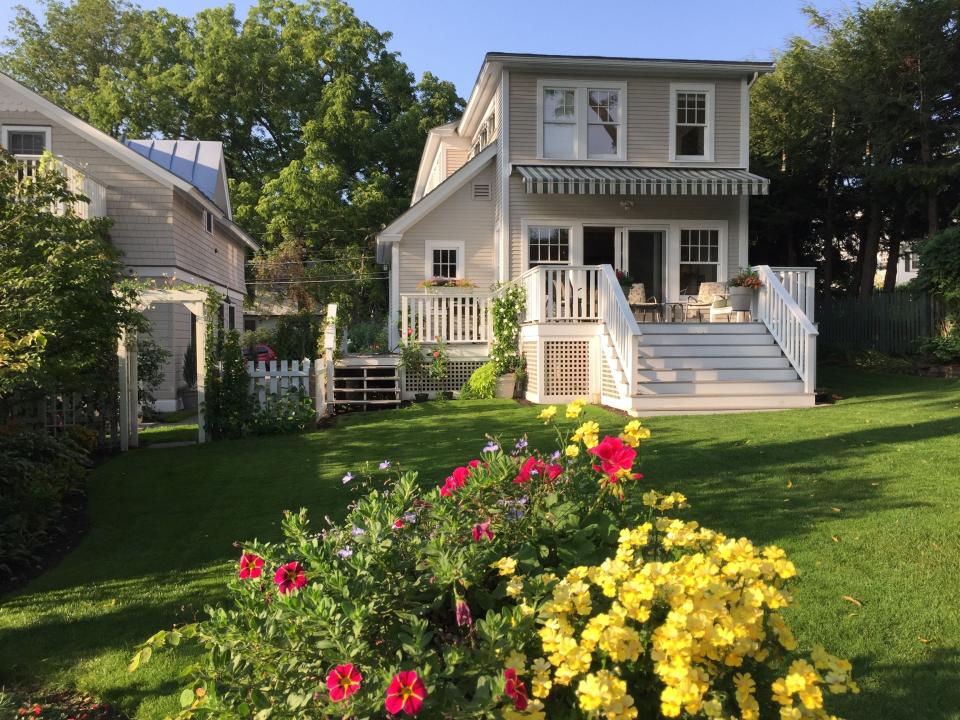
(525, 584)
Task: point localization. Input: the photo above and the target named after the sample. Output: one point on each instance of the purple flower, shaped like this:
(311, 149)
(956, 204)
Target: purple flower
(357, 531)
(555, 455)
(385, 464)
(521, 443)
(347, 478)
(346, 552)
(410, 517)
(514, 514)
(463, 613)
(490, 447)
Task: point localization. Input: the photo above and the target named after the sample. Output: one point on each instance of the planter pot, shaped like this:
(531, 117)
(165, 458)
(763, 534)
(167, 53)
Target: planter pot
(446, 394)
(189, 399)
(740, 298)
(506, 384)
(448, 290)
(420, 397)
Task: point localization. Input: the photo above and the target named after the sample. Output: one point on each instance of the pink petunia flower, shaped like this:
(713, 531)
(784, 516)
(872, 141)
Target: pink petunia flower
(289, 577)
(616, 459)
(397, 524)
(553, 471)
(251, 566)
(515, 689)
(529, 467)
(462, 613)
(482, 531)
(343, 681)
(405, 694)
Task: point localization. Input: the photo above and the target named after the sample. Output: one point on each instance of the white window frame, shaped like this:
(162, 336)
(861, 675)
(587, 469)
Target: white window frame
(207, 221)
(709, 89)
(432, 245)
(581, 89)
(721, 261)
(45, 129)
(573, 233)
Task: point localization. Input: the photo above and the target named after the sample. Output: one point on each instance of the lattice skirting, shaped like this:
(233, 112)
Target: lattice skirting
(458, 372)
(566, 367)
(529, 350)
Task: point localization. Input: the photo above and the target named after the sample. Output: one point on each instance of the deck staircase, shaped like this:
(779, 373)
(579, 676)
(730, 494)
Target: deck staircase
(711, 367)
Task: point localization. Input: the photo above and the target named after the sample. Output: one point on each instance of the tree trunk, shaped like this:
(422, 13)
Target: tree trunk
(893, 260)
(868, 250)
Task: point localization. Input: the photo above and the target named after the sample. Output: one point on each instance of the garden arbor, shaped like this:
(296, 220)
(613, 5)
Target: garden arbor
(192, 300)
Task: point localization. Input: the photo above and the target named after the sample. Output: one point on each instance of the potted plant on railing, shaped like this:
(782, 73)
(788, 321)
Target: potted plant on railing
(437, 285)
(743, 286)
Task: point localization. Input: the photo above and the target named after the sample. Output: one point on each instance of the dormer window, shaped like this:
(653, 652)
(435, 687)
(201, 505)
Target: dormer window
(581, 120)
(691, 122)
(26, 140)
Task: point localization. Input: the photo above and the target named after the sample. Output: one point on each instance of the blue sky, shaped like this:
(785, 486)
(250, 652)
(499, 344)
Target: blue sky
(449, 37)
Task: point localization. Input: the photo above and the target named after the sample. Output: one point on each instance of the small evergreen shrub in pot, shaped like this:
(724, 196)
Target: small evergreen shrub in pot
(524, 585)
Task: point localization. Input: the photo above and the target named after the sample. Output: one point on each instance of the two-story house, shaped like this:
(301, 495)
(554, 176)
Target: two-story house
(564, 171)
(169, 202)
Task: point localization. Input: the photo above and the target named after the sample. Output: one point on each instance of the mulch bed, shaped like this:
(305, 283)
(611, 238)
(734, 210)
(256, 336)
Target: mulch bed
(63, 705)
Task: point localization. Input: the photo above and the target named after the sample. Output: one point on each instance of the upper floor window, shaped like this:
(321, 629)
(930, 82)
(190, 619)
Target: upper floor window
(582, 120)
(548, 245)
(26, 140)
(691, 122)
(208, 221)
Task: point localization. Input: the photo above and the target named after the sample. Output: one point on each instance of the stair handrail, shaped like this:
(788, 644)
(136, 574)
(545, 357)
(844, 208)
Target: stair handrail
(620, 324)
(789, 325)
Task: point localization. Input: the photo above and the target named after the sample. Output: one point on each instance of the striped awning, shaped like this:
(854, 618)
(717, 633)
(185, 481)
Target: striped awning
(585, 180)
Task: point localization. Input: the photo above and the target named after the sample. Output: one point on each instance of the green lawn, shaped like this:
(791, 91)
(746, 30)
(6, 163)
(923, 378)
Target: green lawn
(864, 495)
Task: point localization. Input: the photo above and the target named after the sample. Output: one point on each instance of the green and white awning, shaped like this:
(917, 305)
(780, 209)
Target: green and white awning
(586, 180)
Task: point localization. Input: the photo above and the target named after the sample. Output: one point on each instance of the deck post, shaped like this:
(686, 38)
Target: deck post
(122, 378)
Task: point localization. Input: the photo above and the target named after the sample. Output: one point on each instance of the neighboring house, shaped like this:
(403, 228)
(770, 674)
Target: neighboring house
(564, 169)
(908, 263)
(168, 200)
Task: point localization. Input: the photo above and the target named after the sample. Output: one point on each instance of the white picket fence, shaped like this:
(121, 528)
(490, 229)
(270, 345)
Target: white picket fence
(281, 379)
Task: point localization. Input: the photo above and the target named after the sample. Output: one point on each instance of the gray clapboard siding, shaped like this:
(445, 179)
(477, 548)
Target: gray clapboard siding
(458, 218)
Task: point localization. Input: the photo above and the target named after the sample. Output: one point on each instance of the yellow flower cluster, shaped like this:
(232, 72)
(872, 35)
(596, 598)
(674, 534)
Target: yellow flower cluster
(588, 434)
(547, 414)
(659, 501)
(633, 433)
(717, 603)
(506, 565)
(575, 408)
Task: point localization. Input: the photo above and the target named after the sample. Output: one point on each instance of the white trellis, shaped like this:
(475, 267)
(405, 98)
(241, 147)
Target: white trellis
(192, 300)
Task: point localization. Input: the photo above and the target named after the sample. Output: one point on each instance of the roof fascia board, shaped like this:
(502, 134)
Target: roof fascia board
(651, 65)
(479, 97)
(436, 196)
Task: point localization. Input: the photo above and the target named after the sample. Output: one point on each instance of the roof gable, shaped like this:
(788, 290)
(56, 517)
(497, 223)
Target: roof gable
(199, 162)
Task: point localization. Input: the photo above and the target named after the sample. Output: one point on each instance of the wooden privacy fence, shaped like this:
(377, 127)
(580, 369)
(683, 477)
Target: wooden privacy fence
(891, 322)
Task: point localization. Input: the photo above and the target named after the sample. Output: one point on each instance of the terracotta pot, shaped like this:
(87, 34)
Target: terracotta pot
(740, 298)
(506, 384)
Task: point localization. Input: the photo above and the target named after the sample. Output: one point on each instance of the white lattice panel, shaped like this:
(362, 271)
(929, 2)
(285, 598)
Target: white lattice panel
(458, 372)
(566, 367)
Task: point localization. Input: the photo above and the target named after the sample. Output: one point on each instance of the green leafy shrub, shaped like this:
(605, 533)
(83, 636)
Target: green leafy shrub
(38, 471)
(228, 405)
(527, 585)
(507, 305)
(277, 415)
(368, 337)
(944, 348)
(940, 265)
(151, 357)
(482, 384)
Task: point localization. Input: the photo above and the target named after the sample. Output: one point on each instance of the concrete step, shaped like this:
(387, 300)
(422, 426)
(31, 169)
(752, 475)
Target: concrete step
(698, 339)
(702, 351)
(702, 328)
(686, 404)
(716, 374)
(712, 363)
(721, 387)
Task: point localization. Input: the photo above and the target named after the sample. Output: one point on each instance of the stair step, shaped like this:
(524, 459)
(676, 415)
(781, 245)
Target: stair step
(715, 374)
(712, 363)
(699, 339)
(367, 390)
(702, 328)
(667, 404)
(364, 402)
(721, 387)
(704, 351)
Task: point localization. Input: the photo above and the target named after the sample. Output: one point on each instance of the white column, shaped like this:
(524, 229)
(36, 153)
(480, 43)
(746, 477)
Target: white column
(198, 310)
(122, 378)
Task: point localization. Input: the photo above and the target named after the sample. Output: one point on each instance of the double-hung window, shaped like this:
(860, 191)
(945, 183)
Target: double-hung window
(26, 140)
(548, 245)
(699, 259)
(691, 122)
(581, 120)
(444, 260)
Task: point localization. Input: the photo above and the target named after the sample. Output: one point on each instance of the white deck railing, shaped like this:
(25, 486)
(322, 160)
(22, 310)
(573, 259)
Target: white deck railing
(584, 293)
(451, 317)
(790, 326)
(77, 182)
(799, 282)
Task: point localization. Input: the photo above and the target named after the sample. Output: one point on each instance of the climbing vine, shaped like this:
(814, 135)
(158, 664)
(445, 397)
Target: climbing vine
(507, 306)
(228, 405)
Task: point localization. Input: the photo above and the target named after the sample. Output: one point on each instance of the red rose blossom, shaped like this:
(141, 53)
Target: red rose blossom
(616, 459)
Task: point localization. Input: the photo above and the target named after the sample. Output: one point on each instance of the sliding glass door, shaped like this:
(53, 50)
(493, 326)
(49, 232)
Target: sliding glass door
(644, 259)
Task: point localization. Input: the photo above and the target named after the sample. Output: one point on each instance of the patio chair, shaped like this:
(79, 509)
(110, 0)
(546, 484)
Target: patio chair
(707, 293)
(640, 304)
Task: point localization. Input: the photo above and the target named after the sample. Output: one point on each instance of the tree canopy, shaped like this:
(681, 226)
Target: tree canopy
(322, 124)
(859, 133)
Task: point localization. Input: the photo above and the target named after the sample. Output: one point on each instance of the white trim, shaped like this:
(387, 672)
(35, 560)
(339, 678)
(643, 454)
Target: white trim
(581, 122)
(394, 309)
(45, 129)
(723, 251)
(574, 240)
(436, 196)
(744, 227)
(177, 275)
(709, 131)
(503, 141)
(431, 245)
(745, 124)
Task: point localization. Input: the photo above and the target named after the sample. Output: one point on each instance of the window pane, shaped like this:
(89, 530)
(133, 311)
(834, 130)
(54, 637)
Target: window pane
(603, 106)
(602, 140)
(692, 275)
(445, 262)
(559, 105)
(548, 245)
(690, 140)
(26, 143)
(559, 140)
